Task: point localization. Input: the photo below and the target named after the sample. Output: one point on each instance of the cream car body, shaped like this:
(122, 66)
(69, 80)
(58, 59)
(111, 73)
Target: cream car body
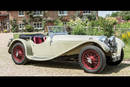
(62, 45)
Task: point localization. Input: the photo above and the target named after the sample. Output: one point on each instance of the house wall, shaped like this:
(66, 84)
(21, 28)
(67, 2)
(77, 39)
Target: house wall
(4, 21)
(50, 14)
(54, 14)
(14, 15)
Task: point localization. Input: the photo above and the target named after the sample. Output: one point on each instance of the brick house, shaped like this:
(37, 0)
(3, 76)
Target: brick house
(4, 21)
(19, 16)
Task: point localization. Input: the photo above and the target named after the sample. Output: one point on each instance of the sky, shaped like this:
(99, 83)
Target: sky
(103, 13)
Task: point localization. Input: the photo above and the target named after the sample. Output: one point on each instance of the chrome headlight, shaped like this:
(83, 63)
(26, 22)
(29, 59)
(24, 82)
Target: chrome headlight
(104, 39)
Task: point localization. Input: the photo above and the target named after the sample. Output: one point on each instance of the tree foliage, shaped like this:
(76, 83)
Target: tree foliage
(107, 26)
(78, 26)
(29, 28)
(115, 14)
(124, 14)
(58, 22)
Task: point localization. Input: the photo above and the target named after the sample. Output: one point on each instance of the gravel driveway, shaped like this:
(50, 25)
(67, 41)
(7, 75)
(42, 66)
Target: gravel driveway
(8, 68)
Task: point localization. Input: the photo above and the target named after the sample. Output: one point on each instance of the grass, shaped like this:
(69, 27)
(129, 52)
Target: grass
(127, 51)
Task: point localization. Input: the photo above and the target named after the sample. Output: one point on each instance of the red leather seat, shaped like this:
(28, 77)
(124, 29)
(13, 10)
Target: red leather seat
(37, 40)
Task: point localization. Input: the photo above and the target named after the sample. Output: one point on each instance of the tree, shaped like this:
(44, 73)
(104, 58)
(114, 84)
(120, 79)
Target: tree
(77, 26)
(115, 14)
(107, 26)
(124, 14)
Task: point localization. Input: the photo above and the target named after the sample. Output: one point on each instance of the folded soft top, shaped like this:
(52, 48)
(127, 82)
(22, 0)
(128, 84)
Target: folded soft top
(28, 36)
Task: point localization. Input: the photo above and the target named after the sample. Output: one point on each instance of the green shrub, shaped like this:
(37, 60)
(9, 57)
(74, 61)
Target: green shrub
(29, 28)
(14, 26)
(78, 30)
(58, 22)
(16, 36)
(5, 31)
(123, 25)
(94, 31)
(107, 27)
(94, 28)
(93, 23)
(78, 26)
(125, 37)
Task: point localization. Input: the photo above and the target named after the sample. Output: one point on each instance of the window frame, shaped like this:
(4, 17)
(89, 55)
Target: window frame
(21, 26)
(86, 13)
(66, 13)
(38, 25)
(38, 14)
(20, 14)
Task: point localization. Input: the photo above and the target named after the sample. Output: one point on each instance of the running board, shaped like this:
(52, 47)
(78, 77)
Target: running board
(38, 58)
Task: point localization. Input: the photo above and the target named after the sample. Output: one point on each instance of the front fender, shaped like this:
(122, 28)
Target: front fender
(120, 46)
(26, 44)
(120, 43)
(77, 48)
(102, 45)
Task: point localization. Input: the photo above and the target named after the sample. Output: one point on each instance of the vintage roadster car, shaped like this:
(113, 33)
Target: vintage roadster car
(92, 53)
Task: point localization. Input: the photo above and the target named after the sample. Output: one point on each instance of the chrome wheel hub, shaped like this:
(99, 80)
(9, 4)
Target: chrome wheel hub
(89, 60)
(17, 54)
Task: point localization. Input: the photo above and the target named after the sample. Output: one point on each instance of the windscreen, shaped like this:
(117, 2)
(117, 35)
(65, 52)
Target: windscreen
(57, 30)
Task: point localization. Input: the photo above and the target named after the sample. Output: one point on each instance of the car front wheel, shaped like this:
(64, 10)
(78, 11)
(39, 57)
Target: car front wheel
(18, 54)
(92, 59)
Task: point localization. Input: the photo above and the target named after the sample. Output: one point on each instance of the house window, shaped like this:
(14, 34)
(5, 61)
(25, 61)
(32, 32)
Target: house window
(38, 13)
(62, 13)
(21, 26)
(21, 13)
(37, 25)
(86, 12)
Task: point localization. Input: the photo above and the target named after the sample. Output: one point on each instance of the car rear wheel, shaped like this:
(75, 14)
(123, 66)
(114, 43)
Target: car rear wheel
(110, 62)
(18, 54)
(92, 59)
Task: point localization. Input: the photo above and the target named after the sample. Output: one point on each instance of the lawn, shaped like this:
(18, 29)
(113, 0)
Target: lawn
(127, 51)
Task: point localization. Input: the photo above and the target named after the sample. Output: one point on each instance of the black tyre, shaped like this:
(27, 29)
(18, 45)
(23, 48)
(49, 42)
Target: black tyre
(110, 62)
(18, 54)
(92, 59)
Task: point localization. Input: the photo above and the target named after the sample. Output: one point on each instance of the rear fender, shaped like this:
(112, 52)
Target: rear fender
(26, 44)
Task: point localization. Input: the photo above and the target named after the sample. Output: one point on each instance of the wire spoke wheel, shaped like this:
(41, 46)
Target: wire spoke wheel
(91, 59)
(18, 53)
